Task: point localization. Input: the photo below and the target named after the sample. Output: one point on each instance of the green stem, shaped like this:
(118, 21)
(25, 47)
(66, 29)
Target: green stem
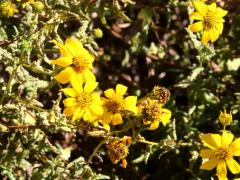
(148, 142)
(7, 92)
(97, 148)
(31, 106)
(34, 69)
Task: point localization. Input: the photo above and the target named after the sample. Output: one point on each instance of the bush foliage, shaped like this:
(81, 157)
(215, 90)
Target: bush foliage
(139, 44)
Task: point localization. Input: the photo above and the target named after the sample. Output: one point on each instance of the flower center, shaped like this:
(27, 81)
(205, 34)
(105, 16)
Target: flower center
(114, 105)
(222, 153)
(151, 110)
(209, 21)
(84, 99)
(80, 64)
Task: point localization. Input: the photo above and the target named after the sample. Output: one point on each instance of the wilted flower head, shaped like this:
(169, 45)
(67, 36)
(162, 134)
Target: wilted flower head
(8, 9)
(118, 150)
(210, 21)
(225, 118)
(153, 113)
(161, 94)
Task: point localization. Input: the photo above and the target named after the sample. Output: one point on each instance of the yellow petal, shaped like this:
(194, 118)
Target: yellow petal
(62, 48)
(221, 177)
(212, 7)
(121, 89)
(165, 116)
(235, 147)
(106, 126)
(214, 34)
(219, 27)
(222, 168)
(74, 46)
(226, 138)
(76, 84)
(97, 109)
(130, 104)
(87, 116)
(96, 97)
(68, 111)
(130, 100)
(88, 76)
(69, 92)
(109, 93)
(196, 16)
(77, 115)
(212, 141)
(154, 125)
(198, 26)
(207, 153)
(221, 13)
(90, 86)
(70, 102)
(64, 76)
(117, 119)
(107, 117)
(206, 36)
(200, 7)
(63, 61)
(209, 165)
(233, 166)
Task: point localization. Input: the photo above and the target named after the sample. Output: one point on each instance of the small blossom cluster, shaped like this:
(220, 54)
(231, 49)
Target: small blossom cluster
(84, 103)
(8, 9)
(222, 149)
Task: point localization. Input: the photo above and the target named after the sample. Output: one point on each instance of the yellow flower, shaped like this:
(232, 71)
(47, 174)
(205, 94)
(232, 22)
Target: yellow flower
(8, 9)
(225, 118)
(25, 2)
(39, 6)
(118, 150)
(114, 104)
(221, 153)
(210, 21)
(153, 113)
(98, 33)
(82, 102)
(76, 60)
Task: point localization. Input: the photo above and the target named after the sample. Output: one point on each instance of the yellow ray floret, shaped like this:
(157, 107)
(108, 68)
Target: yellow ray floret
(76, 60)
(82, 102)
(210, 21)
(114, 103)
(8, 9)
(221, 153)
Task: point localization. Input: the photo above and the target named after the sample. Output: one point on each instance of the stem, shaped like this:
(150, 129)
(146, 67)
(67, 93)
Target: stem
(28, 126)
(54, 149)
(96, 149)
(9, 84)
(148, 142)
(34, 69)
(31, 106)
